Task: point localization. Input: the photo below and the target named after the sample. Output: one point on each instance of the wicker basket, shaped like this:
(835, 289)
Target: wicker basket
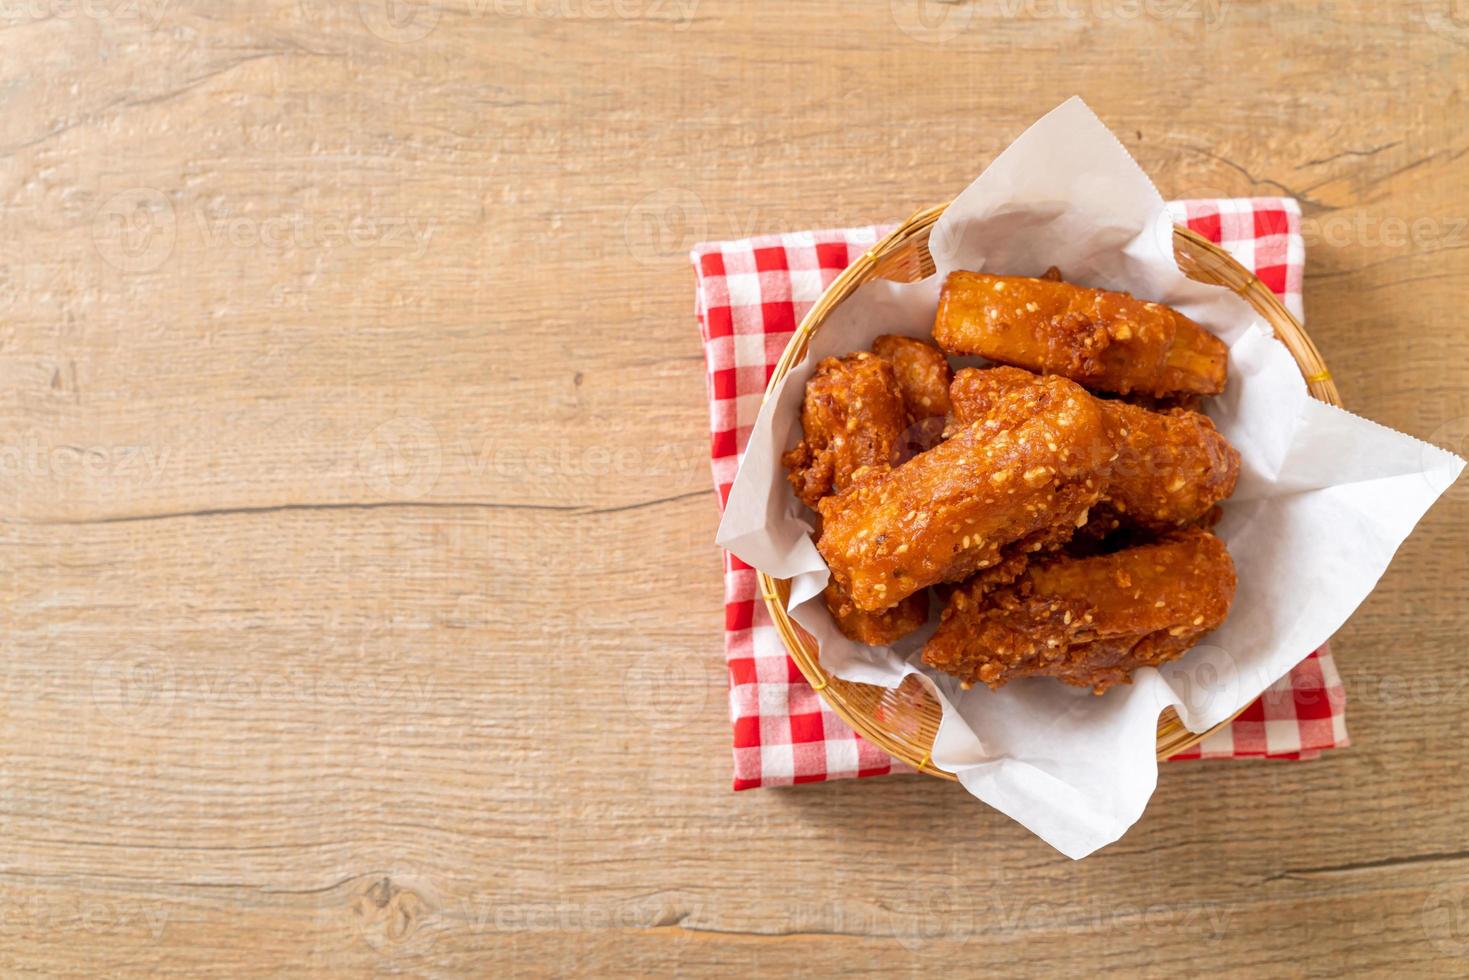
(904, 721)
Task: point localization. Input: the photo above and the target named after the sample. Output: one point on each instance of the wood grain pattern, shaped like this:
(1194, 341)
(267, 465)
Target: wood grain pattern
(360, 611)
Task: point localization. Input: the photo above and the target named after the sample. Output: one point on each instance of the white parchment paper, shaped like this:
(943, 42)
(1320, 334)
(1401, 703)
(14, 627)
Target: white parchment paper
(1324, 499)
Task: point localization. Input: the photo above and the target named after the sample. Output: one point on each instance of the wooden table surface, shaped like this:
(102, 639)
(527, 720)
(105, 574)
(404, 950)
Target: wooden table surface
(358, 600)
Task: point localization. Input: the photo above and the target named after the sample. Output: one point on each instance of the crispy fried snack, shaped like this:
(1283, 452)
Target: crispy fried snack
(923, 377)
(975, 391)
(854, 422)
(852, 418)
(923, 374)
(1165, 403)
(1104, 340)
(1087, 621)
(1171, 467)
(1023, 474)
(876, 629)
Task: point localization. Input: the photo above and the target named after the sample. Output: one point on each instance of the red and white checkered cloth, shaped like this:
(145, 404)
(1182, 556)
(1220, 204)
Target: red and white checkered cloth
(751, 296)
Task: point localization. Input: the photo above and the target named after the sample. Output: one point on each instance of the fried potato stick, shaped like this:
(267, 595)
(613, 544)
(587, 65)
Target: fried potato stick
(1104, 340)
(1090, 622)
(1171, 467)
(1027, 471)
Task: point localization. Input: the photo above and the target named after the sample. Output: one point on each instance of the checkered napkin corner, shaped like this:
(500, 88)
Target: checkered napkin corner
(750, 296)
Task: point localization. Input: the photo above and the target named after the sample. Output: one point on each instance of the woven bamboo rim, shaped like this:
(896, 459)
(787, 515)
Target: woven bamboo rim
(903, 722)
